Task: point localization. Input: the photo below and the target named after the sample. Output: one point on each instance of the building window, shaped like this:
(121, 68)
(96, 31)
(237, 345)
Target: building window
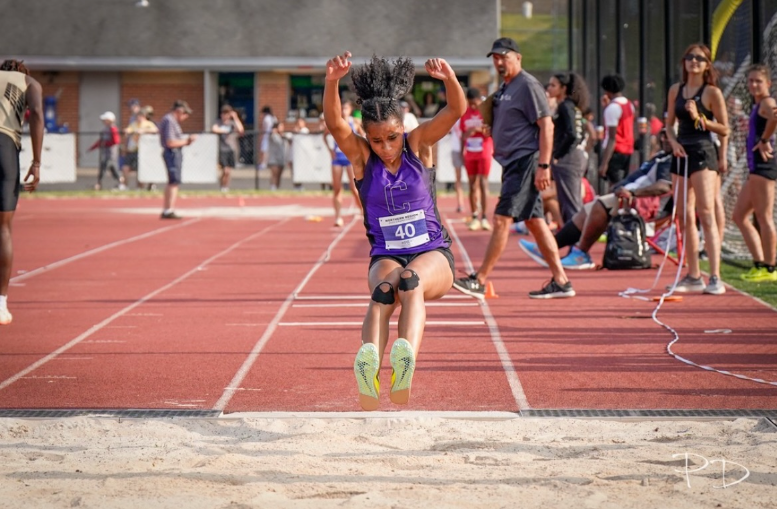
(307, 94)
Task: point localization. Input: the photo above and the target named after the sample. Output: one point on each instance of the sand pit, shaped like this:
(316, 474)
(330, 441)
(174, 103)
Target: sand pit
(385, 462)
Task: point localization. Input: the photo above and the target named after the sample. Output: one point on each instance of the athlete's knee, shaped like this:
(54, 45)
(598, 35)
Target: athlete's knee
(408, 280)
(384, 293)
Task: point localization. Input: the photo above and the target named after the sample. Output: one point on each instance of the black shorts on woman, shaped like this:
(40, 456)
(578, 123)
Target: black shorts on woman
(702, 154)
(404, 260)
(766, 168)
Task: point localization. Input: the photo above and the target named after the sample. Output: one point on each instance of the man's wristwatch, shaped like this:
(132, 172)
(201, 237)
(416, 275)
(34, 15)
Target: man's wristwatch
(543, 166)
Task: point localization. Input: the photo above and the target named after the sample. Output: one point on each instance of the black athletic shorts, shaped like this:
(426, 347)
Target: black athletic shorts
(404, 260)
(10, 176)
(227, 159)
(764, 168)
(702, 154)
(519, 198)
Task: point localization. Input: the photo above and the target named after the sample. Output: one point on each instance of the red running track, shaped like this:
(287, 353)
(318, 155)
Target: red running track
(238, 309)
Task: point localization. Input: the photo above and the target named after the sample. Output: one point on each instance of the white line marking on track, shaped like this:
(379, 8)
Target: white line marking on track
(496, 337)
(95, 328)
(393, 324)
(96, 250)
(229, 392)
(365, 304)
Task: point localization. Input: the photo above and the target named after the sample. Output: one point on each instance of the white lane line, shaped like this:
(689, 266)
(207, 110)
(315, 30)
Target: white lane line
(393, 324)
(237, 380)
(365, 304)
(366, 296)
(95, 328)
(496, 337)
(60, 263)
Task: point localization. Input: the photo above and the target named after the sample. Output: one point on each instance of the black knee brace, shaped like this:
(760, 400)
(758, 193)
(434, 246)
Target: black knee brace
(408, 283)
(383, 297)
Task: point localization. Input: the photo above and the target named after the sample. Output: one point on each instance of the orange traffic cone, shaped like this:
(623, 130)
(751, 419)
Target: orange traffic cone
(490, 293)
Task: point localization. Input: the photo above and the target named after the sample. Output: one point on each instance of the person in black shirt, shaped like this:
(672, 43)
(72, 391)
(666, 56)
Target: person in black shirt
(569, 156)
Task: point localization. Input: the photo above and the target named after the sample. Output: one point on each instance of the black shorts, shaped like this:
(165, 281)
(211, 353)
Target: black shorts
(764, 168)
(227, 159)
(618, 167)
(10, 176)
(131, 160)
(173, 161)
(702, 154)
(404, 260)
(519, 198)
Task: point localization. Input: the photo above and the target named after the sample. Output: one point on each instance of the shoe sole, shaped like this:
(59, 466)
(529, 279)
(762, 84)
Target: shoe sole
(555, 295)
(720, 291)
(680, 289)
(533, 256)
(467, 291)
(366, 367)
(582, 266)
(403, 366)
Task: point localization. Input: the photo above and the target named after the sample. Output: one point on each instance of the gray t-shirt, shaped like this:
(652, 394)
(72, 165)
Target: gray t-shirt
(517, 107)
(169, 129)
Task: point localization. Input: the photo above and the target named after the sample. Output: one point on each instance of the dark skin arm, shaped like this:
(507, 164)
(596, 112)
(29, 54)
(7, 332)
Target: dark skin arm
(35, 105)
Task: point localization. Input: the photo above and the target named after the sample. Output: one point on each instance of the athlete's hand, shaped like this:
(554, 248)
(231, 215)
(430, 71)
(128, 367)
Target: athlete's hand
(765, 149)
(338, 67)
(33, 172)
(722, 164)
(439, 68)
(677, 149)
(542, 178)
(690, 107)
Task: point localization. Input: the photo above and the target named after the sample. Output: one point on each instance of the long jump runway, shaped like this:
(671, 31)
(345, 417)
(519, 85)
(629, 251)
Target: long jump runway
(252, 307)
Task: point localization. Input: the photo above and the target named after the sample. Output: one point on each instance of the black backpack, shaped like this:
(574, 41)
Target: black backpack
(627, 246)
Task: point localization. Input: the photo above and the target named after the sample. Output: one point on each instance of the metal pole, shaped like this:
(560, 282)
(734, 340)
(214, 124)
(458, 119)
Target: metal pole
(706, 22)
(619, 53)
(584, 39)
(643, 47)
(757, 41)
(570, 34)
(595, 95)
(668, 48)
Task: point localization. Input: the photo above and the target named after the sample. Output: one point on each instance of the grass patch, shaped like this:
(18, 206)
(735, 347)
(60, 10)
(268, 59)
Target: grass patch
(767, 292)
(541, 39)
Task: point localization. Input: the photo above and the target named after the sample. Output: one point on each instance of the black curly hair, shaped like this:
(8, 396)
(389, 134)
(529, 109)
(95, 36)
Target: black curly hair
(14, 65)
(576, 88)
(380, 86)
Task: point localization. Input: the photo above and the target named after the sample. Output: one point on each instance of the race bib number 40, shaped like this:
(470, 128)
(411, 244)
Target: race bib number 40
(404, 230)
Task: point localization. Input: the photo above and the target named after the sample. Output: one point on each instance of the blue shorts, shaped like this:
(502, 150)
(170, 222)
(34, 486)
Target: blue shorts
(340, 160)
(173, 161)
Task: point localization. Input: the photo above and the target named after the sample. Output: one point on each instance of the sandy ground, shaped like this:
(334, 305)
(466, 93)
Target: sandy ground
(385, 462)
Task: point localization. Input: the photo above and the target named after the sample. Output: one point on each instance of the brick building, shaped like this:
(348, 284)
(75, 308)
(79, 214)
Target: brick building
(95, 55)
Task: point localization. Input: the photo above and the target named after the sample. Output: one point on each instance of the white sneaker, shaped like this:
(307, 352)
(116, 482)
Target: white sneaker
(485, 225)
(474, 225)
(339, 222)
(689, 284)
(715, 287)
(224, 189)
(5, 316)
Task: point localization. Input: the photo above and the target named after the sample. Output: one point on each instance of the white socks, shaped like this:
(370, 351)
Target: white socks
(3, 302)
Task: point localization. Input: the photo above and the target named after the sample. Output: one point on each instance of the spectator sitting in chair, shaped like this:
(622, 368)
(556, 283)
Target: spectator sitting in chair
(651, 179)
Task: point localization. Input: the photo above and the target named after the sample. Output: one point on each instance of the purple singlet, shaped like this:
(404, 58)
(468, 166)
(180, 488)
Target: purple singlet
(400, 211)
(754, 133)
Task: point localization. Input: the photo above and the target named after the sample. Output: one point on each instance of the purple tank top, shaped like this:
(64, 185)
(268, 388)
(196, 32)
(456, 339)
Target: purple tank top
(400, 211)
(754, 133)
